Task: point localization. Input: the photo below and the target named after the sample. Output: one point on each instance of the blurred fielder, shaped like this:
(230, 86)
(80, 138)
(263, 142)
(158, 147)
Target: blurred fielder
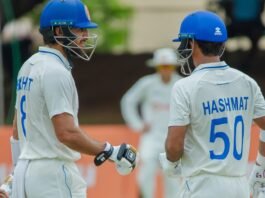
(152, 94)
(47, 139)
(211, 114)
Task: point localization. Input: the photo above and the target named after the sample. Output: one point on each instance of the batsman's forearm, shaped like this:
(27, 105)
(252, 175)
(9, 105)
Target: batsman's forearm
(262, 148)
(78, 140)
(174, 156)
(175, 142)
(173, 152)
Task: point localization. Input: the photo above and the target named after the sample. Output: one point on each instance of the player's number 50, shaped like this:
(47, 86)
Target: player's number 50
(215, 135)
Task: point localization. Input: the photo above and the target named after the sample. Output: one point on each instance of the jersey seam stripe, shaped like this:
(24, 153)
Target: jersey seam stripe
(45, 52)
(212, 68)
(65, 179)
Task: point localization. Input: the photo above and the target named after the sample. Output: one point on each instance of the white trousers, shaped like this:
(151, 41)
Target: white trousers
(18, 184)
(53, 178)
(209, 186)
(149, 167)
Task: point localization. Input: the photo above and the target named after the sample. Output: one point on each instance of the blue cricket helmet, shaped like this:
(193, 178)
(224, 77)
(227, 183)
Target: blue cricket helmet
(203, 26)
(71, 13)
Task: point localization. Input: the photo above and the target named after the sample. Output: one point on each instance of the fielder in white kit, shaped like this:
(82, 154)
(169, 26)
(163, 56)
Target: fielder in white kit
(47, 139)
(152, 94)
(211, 114)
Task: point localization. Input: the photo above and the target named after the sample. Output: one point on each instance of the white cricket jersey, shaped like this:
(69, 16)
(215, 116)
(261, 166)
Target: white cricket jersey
(45, 88)
(218, 104)
(153, 96)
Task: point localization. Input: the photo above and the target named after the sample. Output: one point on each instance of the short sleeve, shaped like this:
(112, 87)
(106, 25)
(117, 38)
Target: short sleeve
(58, 92)
(259, 105)
(179, 114)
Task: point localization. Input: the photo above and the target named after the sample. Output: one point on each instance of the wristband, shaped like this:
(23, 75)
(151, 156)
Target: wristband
(15, 150)
(107, 147)
(261, 160)
(104, 155)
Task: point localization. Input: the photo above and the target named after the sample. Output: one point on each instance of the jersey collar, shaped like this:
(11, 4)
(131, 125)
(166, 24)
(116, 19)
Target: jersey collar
(211, 66)
(57, 54)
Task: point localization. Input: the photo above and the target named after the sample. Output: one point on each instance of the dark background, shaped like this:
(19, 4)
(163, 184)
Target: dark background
(103, 80)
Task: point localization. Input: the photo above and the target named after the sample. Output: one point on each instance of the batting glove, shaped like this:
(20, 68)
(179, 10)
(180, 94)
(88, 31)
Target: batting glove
(6, 187)
(124, 156)
(257, 178)
(171, 169)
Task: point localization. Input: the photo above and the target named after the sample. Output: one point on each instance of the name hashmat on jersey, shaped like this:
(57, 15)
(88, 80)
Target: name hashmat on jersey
(237, 103)
(24, 83)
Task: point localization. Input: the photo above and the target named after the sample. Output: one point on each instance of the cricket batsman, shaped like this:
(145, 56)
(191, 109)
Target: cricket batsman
(47, 139)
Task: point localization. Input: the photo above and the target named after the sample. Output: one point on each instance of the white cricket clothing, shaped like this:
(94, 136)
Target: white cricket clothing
(212, 186)
(218, 104)
(60, 180)
(18, 184)
(153, 97)
(45, 88)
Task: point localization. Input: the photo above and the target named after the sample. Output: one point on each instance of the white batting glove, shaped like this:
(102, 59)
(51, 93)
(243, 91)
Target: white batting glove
(6, 187)
(124, 156)
(257, 178)
(171, 169)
